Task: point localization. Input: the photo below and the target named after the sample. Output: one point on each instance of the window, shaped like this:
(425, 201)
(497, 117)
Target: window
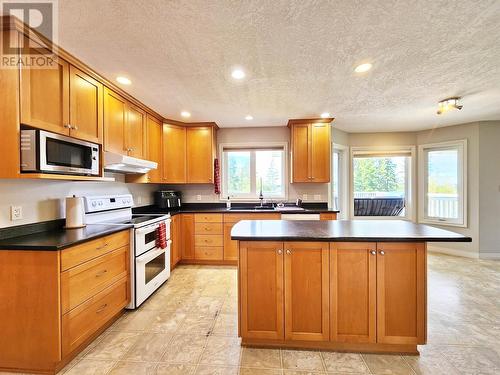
(381, 181)
(339, 185)
(248, 170)
(443, 184)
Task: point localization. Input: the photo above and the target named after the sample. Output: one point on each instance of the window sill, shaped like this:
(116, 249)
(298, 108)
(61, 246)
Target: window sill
(442, 223)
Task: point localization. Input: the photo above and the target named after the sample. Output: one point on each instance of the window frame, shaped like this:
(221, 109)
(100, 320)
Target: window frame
(410, 180)
(262, 146)
(461, 146)
(343, 175)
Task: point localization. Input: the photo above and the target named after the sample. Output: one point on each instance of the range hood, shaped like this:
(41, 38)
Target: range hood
(126, 164)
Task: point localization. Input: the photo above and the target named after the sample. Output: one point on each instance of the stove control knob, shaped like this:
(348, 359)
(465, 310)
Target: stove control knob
(100, 203)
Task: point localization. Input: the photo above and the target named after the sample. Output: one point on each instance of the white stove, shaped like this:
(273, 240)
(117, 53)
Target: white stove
(150, 265)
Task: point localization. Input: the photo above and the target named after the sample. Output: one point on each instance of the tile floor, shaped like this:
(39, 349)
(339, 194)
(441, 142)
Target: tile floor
(190, 327)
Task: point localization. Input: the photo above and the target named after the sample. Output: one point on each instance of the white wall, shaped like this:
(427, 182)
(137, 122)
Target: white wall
(254, 135)
(43, 200)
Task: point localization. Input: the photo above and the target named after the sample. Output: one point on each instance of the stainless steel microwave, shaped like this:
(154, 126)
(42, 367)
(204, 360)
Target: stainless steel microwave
(45, 152)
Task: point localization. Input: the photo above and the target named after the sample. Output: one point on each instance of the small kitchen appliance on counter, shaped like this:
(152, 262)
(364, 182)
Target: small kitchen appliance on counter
(168, 199)
(149, 259)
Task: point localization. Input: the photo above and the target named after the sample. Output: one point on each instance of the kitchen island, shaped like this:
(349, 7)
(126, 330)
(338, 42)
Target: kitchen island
(341, 285)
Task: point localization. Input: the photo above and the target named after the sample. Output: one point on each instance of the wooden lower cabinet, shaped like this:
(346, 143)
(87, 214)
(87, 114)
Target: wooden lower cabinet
(187, 236)
(261, 288)
(176, 235)
(401, 293)
(353, 292)
(307, 291)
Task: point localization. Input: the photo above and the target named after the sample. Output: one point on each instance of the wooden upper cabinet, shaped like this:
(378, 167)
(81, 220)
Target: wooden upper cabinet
(310, 143)
(135, 127)
(86, 106)
(200, 154)
(44, 94)
(261, 290)
(401, 293)
(174, 154)
(153, 148)
(307, 291)
(115, 114)
(353, 292)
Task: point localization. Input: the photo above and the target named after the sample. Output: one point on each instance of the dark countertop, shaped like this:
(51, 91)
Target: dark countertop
(342, 230)
(59, 238)
(309, 208)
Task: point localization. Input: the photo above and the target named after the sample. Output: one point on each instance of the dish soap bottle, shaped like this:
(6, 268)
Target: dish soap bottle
(228, 202)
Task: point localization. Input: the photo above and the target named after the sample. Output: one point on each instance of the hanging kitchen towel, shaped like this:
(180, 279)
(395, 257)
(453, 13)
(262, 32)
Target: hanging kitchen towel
(161, 236)
(216, 176)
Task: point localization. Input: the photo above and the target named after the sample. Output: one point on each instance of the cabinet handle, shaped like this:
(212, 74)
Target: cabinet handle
(74, 127)
(382, 252)
(373, 252)
(102, 247)
(101, 309)
(280, 251)
(99, 274)
(67, 126)
(288, 252)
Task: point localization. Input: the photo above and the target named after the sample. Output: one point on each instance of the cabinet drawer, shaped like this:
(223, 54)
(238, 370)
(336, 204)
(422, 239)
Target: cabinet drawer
(79, 324)
(208, 228)
(89, 250)
(208, 253)
(234, 218)
(86, 280)
(208, 240)
(208, 218)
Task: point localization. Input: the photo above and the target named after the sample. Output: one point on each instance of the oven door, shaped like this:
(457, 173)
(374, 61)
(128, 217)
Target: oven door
(152, 269)
(61, 154)
(145, 237)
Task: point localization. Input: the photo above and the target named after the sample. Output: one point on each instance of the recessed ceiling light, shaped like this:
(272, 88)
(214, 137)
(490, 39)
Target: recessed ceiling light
(363, 68)
(185, 114)
(448, 104)
(248, 117)
(325, 115)
(123, 80)
(238, 74)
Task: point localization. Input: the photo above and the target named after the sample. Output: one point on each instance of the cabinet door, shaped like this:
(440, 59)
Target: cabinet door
(135, 132)
(230, 246)
(401, 293)
(320, 153)
(44, 95)
(300, 153)
(353, 292)
(85, 106)
(115, 113)
(174, 154)
(153, 149)
(187, 236)
(199, 156)
(176, 247)
(261, 290)
(307, 291)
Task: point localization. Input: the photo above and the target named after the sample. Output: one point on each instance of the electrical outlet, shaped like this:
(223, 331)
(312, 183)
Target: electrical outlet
(16, 213)
(305, 197)
(317, 197)
(198, 197)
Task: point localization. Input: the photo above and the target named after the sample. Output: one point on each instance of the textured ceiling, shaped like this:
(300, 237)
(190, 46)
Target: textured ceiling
(299, 57)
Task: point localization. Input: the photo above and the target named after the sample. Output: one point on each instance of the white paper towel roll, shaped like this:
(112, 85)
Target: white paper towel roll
(74, 212)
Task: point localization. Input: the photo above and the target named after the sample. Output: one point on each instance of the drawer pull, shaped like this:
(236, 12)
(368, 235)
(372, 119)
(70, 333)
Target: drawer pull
(101, 273)
(101, 309)
(103, 246)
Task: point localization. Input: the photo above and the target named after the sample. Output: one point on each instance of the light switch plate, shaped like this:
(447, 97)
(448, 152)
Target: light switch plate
(16, 213)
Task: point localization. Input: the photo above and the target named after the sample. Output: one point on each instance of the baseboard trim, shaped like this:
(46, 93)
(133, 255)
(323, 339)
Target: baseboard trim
(490, 256)
(447, 251)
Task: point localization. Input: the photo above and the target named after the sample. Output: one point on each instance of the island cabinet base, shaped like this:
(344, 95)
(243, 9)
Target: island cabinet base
(347, 296)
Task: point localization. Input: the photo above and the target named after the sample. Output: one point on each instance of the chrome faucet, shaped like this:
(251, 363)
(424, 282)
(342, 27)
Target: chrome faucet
(261, 196)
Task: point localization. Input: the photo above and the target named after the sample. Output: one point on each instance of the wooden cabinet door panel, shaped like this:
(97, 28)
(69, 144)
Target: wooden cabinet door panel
(320, 153)
(230, 246)
(353, 292)
(153, 149)
(176, 247)
(115, 113)
(199, 155)
(44, 94)
(135, 131)
(86, 106)
(174, 154)
(187, 236)
(307, 291)
(300, 150)
(261, 290)
(401, 293)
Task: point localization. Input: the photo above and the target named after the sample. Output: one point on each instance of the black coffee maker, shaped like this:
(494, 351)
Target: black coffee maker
(168, 199)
